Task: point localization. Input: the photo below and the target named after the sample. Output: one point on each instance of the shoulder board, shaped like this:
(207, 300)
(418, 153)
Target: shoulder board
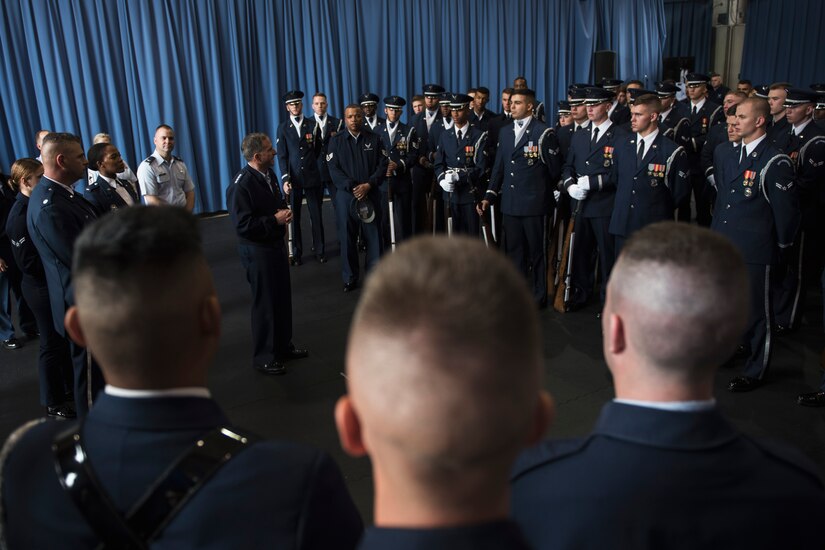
(177, 159)
(151, 159)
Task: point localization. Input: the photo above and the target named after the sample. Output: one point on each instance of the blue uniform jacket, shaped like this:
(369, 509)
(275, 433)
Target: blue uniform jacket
(700, 124)
(807, 151)
(404, 151)
(252, 204)
(469, 157)
(298, 155)
(104, 198)
(716, 136)
(524, 174)
(419, 122)
(597, 164)
(648, 192)
(55, 219)
(652, 479)
(676, 125)
(22, 248)
(757, 206)
(271, 495)
(353, 161)
(331, 127)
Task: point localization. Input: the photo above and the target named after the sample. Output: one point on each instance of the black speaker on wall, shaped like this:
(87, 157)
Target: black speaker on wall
(604, 65)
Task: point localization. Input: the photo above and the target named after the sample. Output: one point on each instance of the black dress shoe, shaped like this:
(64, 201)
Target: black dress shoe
(743, 384)
(349, 287)
(296, 353)
(274, 367)
(61, 412)
(12, 343)
(815, 399)
(321, 259)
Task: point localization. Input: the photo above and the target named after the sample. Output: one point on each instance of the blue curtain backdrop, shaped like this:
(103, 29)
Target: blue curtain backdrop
(689, 28)
(784, 42)
(216, 69)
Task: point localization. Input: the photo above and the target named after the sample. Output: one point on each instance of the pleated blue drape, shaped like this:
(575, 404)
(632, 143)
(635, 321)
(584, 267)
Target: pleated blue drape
(216, 69)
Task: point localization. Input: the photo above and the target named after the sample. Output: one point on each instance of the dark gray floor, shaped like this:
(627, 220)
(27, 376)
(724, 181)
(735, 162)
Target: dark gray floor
(299, 406)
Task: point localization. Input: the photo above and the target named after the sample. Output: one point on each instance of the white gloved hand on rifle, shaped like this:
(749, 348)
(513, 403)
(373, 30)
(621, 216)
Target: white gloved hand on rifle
(577, 192)
(448, 181)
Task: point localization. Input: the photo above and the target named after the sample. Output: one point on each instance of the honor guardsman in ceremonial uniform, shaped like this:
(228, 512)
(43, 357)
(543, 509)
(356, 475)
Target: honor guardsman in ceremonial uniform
(358, 165)
(757, 208)
(778, 124)
(524, 175)
(586, 177)
(402, 146)
(804, 142)
(461, 166)
(480, 115)
(422, 173)
(260, 214)
(328, 125)
(650, 173)
(673, 120)
(703, 115)
(369, 105)
(299, 146)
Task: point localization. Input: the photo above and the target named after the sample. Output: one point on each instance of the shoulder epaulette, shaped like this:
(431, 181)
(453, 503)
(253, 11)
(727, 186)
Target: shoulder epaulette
(150, 159)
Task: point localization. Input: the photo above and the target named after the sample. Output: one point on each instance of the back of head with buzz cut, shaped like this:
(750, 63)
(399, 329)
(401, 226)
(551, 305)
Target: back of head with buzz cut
(444, 356)
(682, 292)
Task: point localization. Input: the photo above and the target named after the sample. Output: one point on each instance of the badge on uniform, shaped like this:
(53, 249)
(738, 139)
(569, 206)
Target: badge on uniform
(704, 125)
(401, 146)
(469, 152)
(750, 175)
(308, 137)
(794, 156)
(655, 171)
(608, 155)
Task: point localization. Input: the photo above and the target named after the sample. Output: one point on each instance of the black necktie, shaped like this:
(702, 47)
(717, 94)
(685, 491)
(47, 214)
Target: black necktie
(742, 155)
(693, 112)
(595, 136)
(640, 154)
(459, 135)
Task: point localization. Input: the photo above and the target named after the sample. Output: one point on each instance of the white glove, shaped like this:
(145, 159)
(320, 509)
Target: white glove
(447, 183)
(556, 195)
(577, 192)
(584, 182)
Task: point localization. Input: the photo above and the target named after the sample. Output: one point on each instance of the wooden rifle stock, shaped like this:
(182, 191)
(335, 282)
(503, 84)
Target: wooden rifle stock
(562, 291)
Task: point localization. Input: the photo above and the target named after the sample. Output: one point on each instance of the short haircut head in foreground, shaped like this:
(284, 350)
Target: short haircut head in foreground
(145, 302)
(677, 302)
(444, 361)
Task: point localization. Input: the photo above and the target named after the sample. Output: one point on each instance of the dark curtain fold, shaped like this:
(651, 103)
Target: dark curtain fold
(216, 69)
(783, 42)
(689, 29)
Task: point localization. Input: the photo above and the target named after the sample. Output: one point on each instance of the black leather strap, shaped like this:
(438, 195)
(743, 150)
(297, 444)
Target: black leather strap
(162, 501)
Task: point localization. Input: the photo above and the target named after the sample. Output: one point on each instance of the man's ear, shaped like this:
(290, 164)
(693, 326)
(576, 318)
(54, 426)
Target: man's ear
(349, 427)
(72, 323)
(616, 340)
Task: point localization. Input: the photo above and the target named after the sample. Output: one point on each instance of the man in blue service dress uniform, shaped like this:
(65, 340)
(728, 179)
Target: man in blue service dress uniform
(442, 425)
(524, 176)
(146, 306)
(328, 126)
(757, 207)
(402, 146)
(358, 165)
(650, 173)
(587, 179)
(461, 165)
(299, 146)
(260, 214)
(56, 216)
(663, 468)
